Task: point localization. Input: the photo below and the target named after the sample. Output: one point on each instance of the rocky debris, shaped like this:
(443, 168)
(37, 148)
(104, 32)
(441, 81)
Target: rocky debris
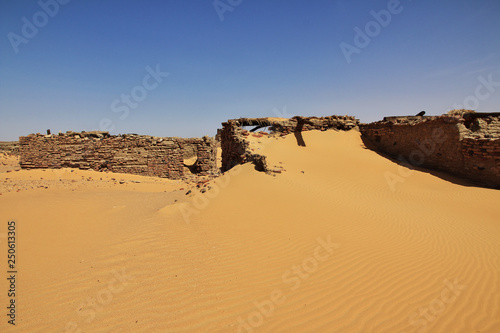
(38, 183)
(277, 168)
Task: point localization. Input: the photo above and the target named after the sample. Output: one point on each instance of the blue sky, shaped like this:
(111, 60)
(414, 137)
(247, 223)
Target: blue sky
(88, 64)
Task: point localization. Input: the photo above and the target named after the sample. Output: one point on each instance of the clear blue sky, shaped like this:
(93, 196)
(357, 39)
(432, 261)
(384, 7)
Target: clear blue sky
(247, 58)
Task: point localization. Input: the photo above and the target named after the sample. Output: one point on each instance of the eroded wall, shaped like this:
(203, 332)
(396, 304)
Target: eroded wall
(235, 147)
(133, 154)
(468, 148)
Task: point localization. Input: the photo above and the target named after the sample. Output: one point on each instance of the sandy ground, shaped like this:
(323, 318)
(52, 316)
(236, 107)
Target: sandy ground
(342, 240)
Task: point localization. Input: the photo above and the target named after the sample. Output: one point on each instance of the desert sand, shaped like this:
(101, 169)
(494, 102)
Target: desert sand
(329, 244)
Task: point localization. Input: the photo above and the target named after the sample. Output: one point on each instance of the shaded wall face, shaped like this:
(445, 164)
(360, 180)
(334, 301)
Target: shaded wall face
(233, 145)
(482, 159)
(431, 145)
(439, 144)
(141, 155)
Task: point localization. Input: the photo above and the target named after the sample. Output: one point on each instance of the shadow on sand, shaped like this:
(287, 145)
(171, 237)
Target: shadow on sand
(440, 174)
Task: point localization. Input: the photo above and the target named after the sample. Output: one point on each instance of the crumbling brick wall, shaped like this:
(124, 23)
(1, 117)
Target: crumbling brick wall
(235, 147)
(205, 150)
(133, 154)
(294, 124)
(468, 146)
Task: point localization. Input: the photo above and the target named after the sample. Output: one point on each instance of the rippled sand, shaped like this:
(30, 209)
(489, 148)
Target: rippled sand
(330, 244)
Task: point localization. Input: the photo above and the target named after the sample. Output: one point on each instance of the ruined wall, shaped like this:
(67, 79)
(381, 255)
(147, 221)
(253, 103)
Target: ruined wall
(205, 149)
(288, 126)
(133, 154)
(9, 147)
(235, 147)
(465, 147)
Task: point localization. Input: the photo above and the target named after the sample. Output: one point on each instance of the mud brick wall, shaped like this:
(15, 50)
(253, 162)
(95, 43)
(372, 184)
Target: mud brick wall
(482, 160)
(235, 147)
(465, 148)
(133, 154)
(206, 151)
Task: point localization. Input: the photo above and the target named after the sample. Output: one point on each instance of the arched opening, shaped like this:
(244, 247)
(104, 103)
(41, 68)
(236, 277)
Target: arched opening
(190, 157)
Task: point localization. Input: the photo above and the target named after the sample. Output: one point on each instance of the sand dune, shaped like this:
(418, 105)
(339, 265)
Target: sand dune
(327, 245)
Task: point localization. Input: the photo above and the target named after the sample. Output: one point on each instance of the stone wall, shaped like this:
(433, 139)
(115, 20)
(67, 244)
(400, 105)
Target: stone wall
(466, 145)
(235, 147)
(463, 145)
(301, 124)
(133, 154)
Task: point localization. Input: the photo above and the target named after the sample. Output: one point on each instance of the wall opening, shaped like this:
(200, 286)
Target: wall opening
(190, 157)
